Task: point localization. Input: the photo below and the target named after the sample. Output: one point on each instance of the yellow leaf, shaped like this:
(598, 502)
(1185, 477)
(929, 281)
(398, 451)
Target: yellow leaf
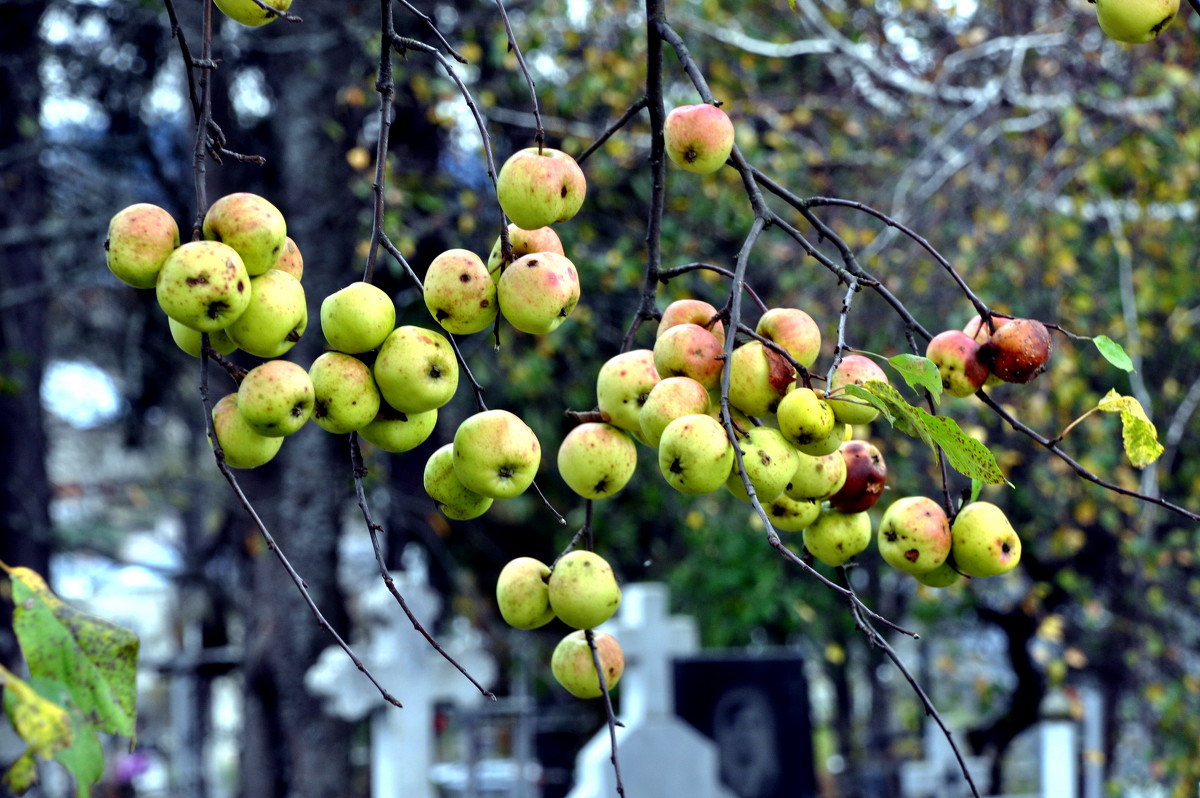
(42, 724)
(1137, 430)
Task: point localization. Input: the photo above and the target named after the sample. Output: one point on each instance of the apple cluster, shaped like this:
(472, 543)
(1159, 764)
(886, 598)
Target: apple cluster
(582, 592)
(989, 353)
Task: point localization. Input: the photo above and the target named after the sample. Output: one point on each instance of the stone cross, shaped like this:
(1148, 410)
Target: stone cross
(659, 754)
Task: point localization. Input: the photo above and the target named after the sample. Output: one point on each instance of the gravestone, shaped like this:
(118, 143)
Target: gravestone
(659, 754)
(755, 709)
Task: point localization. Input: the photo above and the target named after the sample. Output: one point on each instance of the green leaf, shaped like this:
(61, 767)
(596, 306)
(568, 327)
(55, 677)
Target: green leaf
(963, 453)
(95, 658)
(976, 489)
(84, 757)
(1137, 431)
(919, 372)
(1113, 352)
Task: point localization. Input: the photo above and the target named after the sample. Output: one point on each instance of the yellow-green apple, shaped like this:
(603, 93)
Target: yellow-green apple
(575, 669)
(980, 331)
(692, 311)
(689, 350)
(416, 369)
(394, 431)
(188, 339)
(1135, 21)
(817, 477)
(836, 536)
(623, 385)
(496, 454)
(290, 259)
(956, 356)
(460, 293)
(276, 398)
(769, 460)
(140, 237)
(668, 400)
(540, 186)
(357, 318)
(596, 459)
(241, 446)
(804, 418)
(914, 535)
(249, 13)
(522, 594)
(794, 330)
(827, 445)
(695, 455)
(1018, 351)
(698, 138)
(524, 242)
(250, 224)
(984, 541)
(758, 379)
(942, 576)
(203, 285)
(792, 515)
(853, 370)
(275, 318)
(456, 501)
(866, 475)
(538, 292)
(583, 589)
(346, 396)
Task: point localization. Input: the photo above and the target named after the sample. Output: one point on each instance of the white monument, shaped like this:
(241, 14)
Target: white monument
(659, 754)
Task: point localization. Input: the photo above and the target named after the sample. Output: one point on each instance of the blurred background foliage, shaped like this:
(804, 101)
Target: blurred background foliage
(1055, 169)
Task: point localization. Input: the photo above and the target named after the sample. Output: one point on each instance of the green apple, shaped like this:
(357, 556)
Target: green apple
(983, 541)
(140, 237)
(583, 589)
(769, 460)
(456, 501)
(346, 398)
(575, 669)
(1135, 21)
(248, 223)
(835, 536)
(460, 293)
(523, 595)
(596, 459)
(695, 455)
(538, 292)
(698, 138)
(357, 318)
(689, 350)
(668, 400)
(914, 535)
(758, 379)
(804, 418)
(817, 477)
(241, 446)
(250, 13)
(827, 445)
(794, 330)
(692, 311)
(524, 242)
(623, 385)
(792, 515)
(275, 318)
(290, 259)
(203, 285)
(496, 454)
(942, 576)
(416, 369)
(956, 356)
(188, 339)
(853, 370)
(394, 431)
(276, 398)
(540, 186)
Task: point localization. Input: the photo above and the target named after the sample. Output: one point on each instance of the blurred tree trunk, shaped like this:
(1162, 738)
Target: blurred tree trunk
(25, 532)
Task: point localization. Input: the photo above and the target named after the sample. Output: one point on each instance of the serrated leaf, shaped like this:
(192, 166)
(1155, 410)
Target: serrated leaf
(95, 658)
(963, 453)
(919, 372)
(1113, 352)
(44, 725)
(1138, 433)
